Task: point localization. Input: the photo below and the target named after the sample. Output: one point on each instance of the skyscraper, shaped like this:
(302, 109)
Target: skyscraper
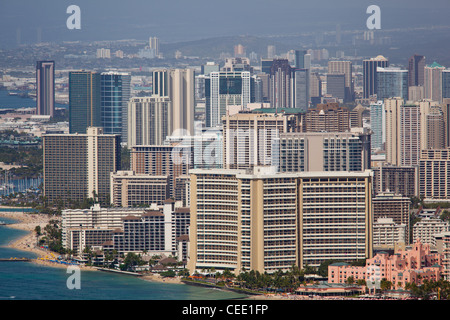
(336, 86)
(370, 74)
(435, 128)
(251, 139)
(377, 125)
(224, 89)
(182, 97)
(410, 141)
(115, 94)
(301, 88)
(445, 83)
(271, 52)
(266, 221)
(433, 82)
(328, 117)
(281, 76)
(148, 120)
(346, 68)
(153, 43)
(45, 88)
(84, 101)
(392, 82)
(324, 151)
(392, 110)
(300, 59)
(78, 166)
(395, 206)
(416, 65)
(159, 160)
(434, 166)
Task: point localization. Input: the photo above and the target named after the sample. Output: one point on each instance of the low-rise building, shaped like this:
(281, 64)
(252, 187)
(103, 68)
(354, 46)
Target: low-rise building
(413, 265)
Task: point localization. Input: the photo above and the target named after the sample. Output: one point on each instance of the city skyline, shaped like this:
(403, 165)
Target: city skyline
(212, 143)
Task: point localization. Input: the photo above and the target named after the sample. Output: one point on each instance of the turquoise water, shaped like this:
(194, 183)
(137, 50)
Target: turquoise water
(29, 281)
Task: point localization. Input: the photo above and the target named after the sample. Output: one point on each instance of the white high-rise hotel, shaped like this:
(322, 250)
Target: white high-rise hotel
(266, 221)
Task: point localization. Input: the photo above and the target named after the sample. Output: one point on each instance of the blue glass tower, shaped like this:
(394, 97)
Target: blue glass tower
(392, 83)
(115, 93)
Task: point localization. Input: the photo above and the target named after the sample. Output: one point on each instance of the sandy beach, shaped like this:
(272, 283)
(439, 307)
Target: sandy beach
(29, 221)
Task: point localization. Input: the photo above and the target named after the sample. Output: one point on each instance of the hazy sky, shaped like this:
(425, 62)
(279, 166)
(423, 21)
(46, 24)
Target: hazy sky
(178, 20)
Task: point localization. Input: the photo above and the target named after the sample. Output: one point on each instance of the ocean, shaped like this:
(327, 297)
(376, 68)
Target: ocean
(30, 281)
(16, 102)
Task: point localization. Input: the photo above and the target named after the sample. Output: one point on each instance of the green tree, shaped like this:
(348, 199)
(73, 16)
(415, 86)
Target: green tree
(131, 260)
(385, 284)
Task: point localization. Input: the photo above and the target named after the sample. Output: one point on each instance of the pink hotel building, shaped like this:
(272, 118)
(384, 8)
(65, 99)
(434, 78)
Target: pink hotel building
(403, 267)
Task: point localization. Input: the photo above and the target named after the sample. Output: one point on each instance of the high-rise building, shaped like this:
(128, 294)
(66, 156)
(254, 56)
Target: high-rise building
(410, 134)
(445, 107)
(178, 85)
(301, 89)
(336, 86)
(399, 180)
(433, 81)
(209, 67)
(162, 160)
(271, 51)
(266, 65)
(416, 65)
(115, 94)
(225, 89)
(251, 139)
(392, 111)
(148, 120)
(84, 101)
(434, 177)
(124, 230)
(103, 53)
(315, 88)
(324, 151)
(281, 76)
(395, 206)
(328, 117)
(182, 97)
(267, 221)
(370, 74)
(430, 124)
(45, 88)
(129, 189)
(392, 82)
(78, 166)
(345, 67)
(416, 93)
(153, 44)
(335, 217)
(239, 51)
(302, 59)
(446, 83)
(377, 125)
(388, 235)
(435, 128)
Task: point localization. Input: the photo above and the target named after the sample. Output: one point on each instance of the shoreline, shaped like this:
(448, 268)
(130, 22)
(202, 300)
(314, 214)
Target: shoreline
(28, 221)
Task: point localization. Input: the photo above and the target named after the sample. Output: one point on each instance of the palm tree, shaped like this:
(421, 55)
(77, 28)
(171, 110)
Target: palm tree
(385, 284)
(350, 280)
